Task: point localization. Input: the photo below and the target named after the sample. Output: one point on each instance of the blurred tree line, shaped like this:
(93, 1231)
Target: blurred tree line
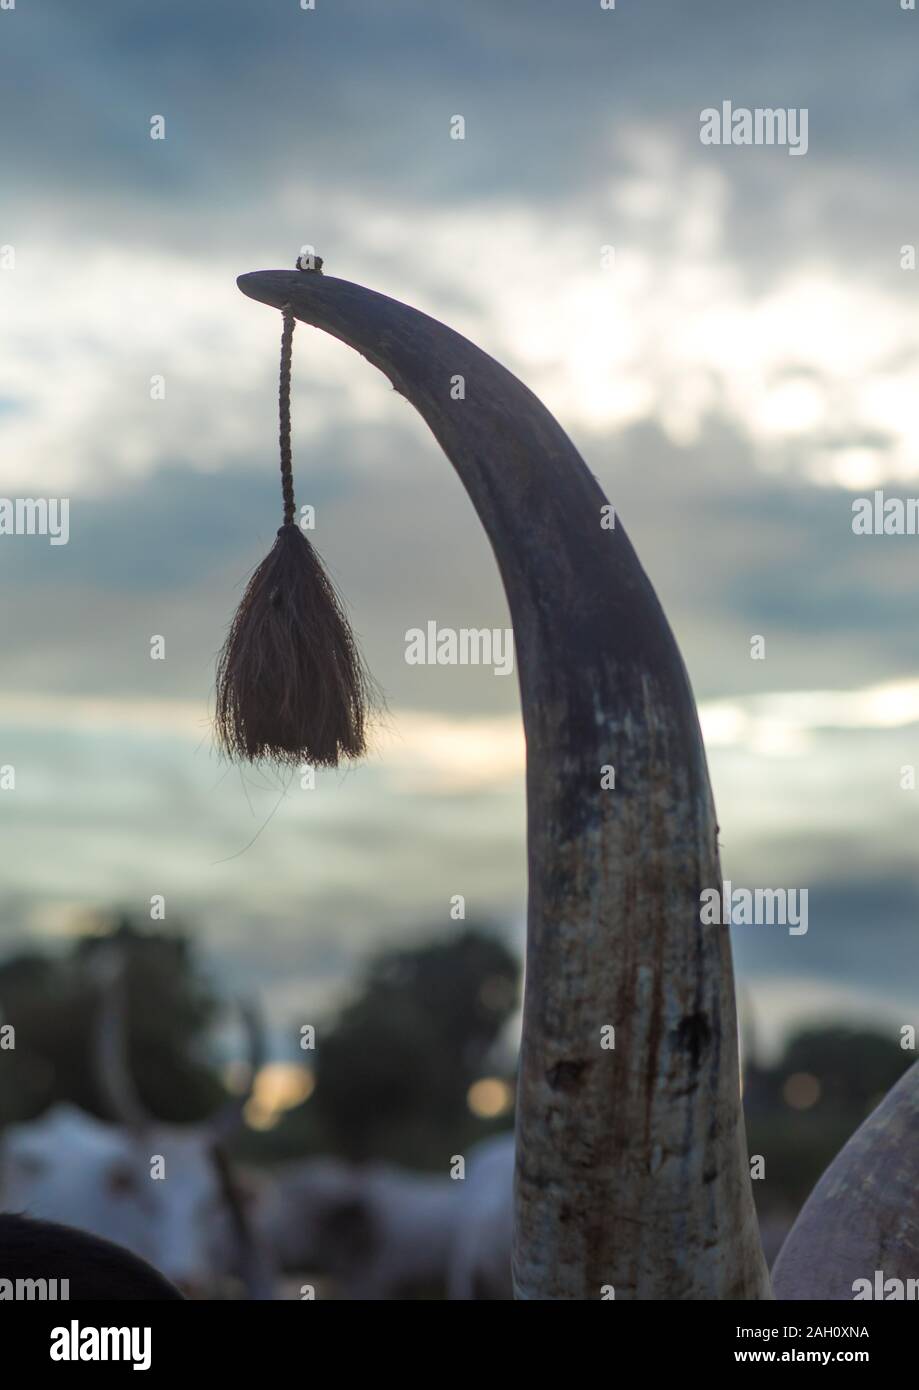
(392, 1067)
(394, 1063)
(53, 1003)
(801, 1111)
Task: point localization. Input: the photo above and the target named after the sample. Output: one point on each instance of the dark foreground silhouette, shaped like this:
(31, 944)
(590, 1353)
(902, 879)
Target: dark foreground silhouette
(94, 1268)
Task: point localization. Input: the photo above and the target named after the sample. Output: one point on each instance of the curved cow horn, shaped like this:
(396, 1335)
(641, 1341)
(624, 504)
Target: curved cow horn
(631, 1161)
(113, 1070)
(863, 1215)
(229, 1118)
(116, 1084)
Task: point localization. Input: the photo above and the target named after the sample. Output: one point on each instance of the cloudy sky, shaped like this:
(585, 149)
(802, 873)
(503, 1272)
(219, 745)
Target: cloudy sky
(741, 366)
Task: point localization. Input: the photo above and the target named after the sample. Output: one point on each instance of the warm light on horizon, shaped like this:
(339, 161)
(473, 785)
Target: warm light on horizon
(279, 1086)
(490, 1097)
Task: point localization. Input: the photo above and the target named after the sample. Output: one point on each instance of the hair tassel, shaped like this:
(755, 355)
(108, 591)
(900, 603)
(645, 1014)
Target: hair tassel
(291, 684)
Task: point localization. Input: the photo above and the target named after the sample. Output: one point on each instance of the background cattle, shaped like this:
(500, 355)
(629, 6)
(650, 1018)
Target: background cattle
(480, 1256)
(69, 1167)
(375, 1230)
(167, 1192)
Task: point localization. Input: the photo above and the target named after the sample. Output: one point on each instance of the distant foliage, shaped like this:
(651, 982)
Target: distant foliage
(395, 1065)
(853, 1071)
(53, 1003)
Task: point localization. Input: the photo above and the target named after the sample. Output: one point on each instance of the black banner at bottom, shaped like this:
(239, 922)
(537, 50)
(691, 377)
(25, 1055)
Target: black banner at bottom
(278, 1339)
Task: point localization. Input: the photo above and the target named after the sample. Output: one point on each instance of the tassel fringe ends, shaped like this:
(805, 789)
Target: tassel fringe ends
(291, 685)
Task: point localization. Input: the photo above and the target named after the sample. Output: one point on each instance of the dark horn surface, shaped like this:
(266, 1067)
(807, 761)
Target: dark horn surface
(863, 1215)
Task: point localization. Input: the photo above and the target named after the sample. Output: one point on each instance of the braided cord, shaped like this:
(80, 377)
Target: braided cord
(287, 476)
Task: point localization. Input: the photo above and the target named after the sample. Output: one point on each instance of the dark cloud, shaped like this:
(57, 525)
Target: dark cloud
(732, 551)
(284, 124)
(363, 91)
(860, 927)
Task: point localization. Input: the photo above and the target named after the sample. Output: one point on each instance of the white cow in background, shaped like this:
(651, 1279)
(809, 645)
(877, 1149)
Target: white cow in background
(169, 1194)
(480, 1256)
(375, 1230)
(166, 1192)
(378, 1231)
(68, 1166)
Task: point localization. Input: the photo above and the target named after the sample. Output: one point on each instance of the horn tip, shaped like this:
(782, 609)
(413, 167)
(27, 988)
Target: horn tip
(276, 287)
